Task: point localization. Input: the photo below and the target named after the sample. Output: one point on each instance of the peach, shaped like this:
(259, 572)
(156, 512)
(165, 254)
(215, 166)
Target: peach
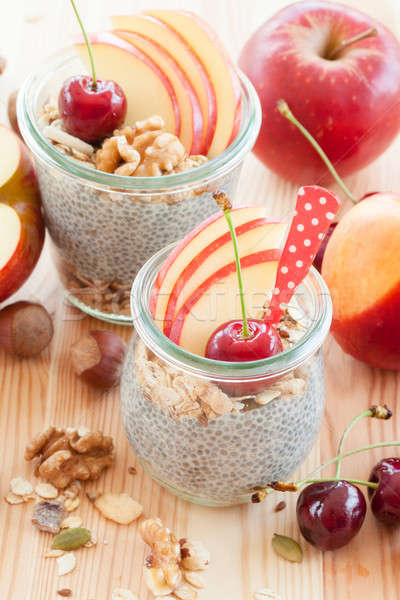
(361, 267)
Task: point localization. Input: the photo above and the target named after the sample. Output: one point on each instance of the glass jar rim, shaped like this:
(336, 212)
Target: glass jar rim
(203, 367)
(216, 167)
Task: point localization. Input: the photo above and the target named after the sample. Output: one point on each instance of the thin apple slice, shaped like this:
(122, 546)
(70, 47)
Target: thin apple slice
(203, 40)
(147, 89)
(253, 236)
(186, 250)
(189, 105)
(216, 300)
(10, 233)
(189, 62)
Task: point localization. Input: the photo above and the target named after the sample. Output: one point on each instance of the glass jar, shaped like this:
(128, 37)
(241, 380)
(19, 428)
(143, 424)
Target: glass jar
(103, 226)
(201, 443)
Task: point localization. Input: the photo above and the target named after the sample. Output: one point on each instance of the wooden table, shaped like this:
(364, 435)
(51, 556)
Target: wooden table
(45, 390)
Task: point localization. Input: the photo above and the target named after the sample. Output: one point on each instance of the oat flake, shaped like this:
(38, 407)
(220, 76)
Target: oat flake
(20, 486)
(66, 563)
(46, 490)
(122, 594)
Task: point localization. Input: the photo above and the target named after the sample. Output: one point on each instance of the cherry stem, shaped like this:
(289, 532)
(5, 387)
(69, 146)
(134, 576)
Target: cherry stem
(88, 45)
(346, 43)
(286, 112)
(355, 481)
(365, 413)
(223, 201)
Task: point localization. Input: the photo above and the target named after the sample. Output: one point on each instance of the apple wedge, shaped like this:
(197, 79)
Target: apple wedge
(21, 224)
(216, 300)
(188, 61)
(189, 106)
(253, 236)
(187, 249)
(147, 89)
(203, 41)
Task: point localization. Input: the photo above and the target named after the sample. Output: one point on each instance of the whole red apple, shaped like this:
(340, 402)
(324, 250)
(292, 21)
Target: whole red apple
(21, 224)
(348, 99)
(361, 267)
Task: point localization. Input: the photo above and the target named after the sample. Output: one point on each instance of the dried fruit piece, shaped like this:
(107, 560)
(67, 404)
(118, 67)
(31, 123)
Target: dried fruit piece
(48, 516)
(72, 538)
(194, 578)
(73, 521)
(66, 563)
(14, 499)
(121, 594)
(21, 486)
(195, 556)
(120, 508)
(46, 490)
(287, 548)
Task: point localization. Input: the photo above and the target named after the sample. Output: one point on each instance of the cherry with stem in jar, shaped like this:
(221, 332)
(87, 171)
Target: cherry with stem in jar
(247, 339)
(91, 108)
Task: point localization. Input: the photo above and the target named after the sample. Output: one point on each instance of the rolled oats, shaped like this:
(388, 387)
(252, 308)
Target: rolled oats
(72, 504)
(155, 581)
(120, 508)
(55, 134)
(21, 486)
(73, 521)
(194, 578)
(66, 563)
(185, 592)
(195, 556)
(266, 396)
(266, 594)
(46, 490)
(53, 553)
(122, 594)
(12, 498)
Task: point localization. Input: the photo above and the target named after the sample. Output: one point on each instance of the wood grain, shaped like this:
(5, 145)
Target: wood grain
(45, 390)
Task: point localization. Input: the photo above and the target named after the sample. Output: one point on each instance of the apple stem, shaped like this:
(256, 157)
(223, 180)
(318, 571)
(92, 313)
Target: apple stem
(378, 412)
(286, 112)
(346, 43)
(225, 204)
(88, 45)
(269, 489)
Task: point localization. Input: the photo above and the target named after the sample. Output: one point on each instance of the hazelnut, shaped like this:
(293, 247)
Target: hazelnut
(98, 358)
(26, 329)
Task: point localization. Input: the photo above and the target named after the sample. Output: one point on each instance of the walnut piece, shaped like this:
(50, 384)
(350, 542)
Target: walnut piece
(165, 551)
(64, 455)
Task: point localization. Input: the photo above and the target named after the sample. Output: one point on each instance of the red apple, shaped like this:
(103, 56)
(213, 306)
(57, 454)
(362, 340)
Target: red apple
(348, 99)
(361, 267)
(21, 224)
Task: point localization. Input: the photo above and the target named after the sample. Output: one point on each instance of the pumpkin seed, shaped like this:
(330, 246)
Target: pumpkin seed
(72, 538)
(287, 548)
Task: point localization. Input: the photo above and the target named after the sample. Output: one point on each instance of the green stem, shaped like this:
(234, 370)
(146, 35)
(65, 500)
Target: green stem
(286, 112)
(89, 47)
(366, 413)
(346, 43)
(355, 481)
(228, 217)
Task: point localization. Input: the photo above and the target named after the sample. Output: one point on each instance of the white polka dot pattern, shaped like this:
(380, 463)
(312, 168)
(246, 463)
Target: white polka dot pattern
(316, 207)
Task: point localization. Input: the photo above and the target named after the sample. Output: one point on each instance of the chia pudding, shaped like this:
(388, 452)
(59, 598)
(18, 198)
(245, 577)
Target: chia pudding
(104, 224)
(202, 442)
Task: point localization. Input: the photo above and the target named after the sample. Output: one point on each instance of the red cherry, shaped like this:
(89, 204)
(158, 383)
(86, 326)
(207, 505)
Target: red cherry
(385, 500)
(91, 112)
(228, 343)
(330, 513)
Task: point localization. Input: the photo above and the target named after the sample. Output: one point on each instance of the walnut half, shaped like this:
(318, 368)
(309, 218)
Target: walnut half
(64, 455)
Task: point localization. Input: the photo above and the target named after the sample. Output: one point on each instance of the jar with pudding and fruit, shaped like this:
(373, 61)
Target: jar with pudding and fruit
(209, 430)
(114, 192)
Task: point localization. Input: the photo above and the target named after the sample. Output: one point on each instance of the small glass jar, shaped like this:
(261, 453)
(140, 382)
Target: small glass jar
(103, 226)
(208, 446)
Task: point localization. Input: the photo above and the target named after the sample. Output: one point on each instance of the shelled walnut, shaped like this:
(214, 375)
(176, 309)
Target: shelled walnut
(65, 455)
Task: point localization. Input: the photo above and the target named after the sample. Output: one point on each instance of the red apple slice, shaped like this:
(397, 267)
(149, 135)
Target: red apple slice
(186, 250)
(216, 300)
(202, 40)
(188, 61)
(21, 223)
(148, 90)
(253, 236)
(189, 105)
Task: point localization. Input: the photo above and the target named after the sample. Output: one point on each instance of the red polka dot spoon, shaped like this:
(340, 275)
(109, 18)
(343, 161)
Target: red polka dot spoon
(316, 207)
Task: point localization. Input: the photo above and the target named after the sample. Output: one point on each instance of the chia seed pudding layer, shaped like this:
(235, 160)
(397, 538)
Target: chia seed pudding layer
(106, 236)
(221, 463)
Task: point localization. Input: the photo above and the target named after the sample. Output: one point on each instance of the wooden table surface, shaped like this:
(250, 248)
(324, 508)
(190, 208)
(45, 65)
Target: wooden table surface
(45, 390)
